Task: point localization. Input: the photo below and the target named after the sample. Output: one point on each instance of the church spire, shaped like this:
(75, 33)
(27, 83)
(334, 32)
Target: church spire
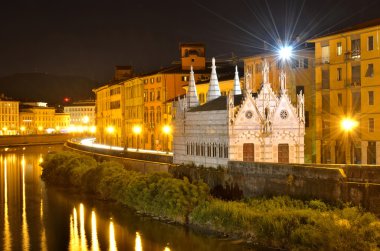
(192, 97)
(283, 82)
(213, 89)
(237, 89)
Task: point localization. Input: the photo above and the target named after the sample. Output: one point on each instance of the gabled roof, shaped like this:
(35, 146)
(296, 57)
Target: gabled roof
(219, 104)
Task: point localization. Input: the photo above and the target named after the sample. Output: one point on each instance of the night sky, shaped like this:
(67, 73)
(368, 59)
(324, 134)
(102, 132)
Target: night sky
(88, 38)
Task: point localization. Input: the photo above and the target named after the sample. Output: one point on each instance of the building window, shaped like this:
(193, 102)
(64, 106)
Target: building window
(355, 46)
(305, 63)
(369, 72)
(213, 150)
(145, 95)
(145, 81)
(356, 102)
(370, 98)
(356, 76)
(339, 99)
(158, 94)
(158, 116)
(257, 68)
(339, 74)
(151, 80)
(339, 49)
(299, 89)
(151, 95)
(325, 54)
(208, 150)
(185, 78)
(151, 115)
(370, 43)
(201, 98)
(225, 151)
(325, 79)
(371, 125)
(158, 79)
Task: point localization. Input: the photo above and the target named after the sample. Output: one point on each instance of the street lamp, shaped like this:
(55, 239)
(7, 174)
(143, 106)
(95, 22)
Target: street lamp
(348, 125)
(22, 129)
(285, 52)
(167, 129)
(137, 130)
(110, 130)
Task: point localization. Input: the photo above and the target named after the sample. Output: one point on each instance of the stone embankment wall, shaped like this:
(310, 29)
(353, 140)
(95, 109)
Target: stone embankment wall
(33, 139)
(136, 161)
(333, 183)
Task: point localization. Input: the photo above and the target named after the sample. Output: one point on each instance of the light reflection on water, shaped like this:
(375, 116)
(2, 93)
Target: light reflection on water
(35, 218)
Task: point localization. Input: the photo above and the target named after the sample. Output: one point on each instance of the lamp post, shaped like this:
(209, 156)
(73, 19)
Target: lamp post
(347, 125)
(137, 131)
(110, 131)
(22, 129)
(167, 129)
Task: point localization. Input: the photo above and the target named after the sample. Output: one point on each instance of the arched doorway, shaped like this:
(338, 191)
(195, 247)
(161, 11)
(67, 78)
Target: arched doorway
(283, 153)
(249, 152)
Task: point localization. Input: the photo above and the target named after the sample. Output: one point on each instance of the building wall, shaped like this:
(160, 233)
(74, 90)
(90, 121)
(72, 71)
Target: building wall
(133, 110)
(342, 90)
(202, 139)
(109, 114)
(9, 117)
(81, 114)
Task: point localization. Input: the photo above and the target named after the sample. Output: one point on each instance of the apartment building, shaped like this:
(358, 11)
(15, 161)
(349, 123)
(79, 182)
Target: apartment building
(347, 80)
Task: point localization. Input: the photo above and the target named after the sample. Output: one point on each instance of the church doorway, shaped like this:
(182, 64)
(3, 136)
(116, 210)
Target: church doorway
(283, 153)
(249, 152)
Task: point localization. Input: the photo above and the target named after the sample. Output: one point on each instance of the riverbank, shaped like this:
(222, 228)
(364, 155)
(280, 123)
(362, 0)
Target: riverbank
(30, 140)
(279, 222)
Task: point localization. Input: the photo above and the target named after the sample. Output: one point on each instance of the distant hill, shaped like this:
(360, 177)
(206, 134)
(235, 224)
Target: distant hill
(46, 88)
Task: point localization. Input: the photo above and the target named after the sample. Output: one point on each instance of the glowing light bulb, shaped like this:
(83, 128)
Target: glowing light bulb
(285, 52)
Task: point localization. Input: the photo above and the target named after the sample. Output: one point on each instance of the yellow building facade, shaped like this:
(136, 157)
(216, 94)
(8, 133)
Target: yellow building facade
(299, 69)
(9, 117)
(41, 120)
(347, 87)
(109, 114)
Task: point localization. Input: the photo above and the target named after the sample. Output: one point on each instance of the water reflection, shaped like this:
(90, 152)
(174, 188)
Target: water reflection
(113, 246)
(25, 233)
(138, 245)
(94, 234)
(33, 217)
(7, 232)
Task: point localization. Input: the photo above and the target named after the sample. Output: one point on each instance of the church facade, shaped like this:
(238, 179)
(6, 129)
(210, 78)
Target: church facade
(243, 126)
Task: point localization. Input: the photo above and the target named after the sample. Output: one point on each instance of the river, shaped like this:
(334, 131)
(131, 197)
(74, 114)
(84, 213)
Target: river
(34, 217)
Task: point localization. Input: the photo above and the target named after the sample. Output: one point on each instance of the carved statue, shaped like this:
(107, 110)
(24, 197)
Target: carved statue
(265, 72)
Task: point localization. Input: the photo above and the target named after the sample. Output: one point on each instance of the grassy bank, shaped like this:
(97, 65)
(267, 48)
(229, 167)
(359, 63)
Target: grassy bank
(278, 222)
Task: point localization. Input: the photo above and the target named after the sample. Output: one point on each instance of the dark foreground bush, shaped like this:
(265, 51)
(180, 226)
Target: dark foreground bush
(292, 224)
(279, 222)
(157, 194)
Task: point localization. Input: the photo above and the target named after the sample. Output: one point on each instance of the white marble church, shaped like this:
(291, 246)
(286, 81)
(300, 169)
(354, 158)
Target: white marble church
(262, 127)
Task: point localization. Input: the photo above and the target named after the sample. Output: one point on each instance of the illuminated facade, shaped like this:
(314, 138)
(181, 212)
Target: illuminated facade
(261, 127)
(109, 114)
(299, 69)
(9, 117)
(347, 86)
(133, 110)
(38, 118)
(81, 112)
